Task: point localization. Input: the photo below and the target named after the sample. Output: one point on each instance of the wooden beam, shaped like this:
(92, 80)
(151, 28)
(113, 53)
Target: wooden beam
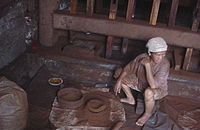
(173, 36)
(187, 58)
(173, 12)
(73, 6)
(90, 7)
(154, 12)
(112, 15)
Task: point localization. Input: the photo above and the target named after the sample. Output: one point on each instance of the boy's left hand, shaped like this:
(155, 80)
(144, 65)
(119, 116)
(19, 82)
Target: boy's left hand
(145, 61)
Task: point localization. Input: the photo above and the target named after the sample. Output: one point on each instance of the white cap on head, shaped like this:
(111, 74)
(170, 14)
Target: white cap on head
(156, 44)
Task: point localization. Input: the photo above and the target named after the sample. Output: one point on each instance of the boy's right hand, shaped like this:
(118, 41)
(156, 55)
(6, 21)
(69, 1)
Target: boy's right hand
(117, 87)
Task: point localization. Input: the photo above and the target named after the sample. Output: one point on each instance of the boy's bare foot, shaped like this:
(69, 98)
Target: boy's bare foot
(127, 100)
(142, 120)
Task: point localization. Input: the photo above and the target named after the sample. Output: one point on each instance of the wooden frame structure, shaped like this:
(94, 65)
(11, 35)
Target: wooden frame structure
(128, 27)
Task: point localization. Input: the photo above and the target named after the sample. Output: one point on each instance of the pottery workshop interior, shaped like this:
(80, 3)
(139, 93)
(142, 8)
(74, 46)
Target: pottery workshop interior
(59, 58)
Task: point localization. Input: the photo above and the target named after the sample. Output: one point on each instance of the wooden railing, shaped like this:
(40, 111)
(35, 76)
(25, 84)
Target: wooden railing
(90, 9)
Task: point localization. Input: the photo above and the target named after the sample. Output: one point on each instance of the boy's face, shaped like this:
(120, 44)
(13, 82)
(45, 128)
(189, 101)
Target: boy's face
(157, 57)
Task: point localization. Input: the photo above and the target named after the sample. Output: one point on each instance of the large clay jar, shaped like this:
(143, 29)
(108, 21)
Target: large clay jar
(71, 98)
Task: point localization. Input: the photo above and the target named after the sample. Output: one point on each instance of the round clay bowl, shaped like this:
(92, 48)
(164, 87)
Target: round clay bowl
(70, 97)
(96, 105)
(55, 81)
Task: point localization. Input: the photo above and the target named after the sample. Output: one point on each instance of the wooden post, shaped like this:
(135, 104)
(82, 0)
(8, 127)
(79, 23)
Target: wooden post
(73, 10)
(195, 25)
(129, 13)
(177, 59)
(196, 17)
(31, 5)
(109, 46)
(130, 9)
(90, 7)
(173, 12)
(112, 15)
(113, 9)
(194, 28)
(99, 6)
(124, 45)
(46, 8)
(187, 58)
(73, 6)
(154, 12)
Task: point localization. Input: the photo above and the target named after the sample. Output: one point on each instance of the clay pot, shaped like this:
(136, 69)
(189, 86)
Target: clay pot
(72, 98)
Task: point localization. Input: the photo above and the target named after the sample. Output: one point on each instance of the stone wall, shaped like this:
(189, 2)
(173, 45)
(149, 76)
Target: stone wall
(13, 30)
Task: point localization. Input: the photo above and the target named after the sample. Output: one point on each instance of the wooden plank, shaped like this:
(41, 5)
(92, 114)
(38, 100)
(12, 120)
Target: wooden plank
(112, 15)
(187, 58)
(173, 12)
(184, 77)
(85, 128)
(177, 59)
(90, 7)
(140, 31)
(73, 6)
(154, 12)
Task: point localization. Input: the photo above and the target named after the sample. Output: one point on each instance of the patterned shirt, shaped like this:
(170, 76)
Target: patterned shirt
(160, 72)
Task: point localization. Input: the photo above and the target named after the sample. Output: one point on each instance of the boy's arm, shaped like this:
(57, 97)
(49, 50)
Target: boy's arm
(117, 87)
(150, 77)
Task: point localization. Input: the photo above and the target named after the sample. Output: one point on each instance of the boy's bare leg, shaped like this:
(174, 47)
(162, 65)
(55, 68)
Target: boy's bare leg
(149, 104)
(130, 99)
